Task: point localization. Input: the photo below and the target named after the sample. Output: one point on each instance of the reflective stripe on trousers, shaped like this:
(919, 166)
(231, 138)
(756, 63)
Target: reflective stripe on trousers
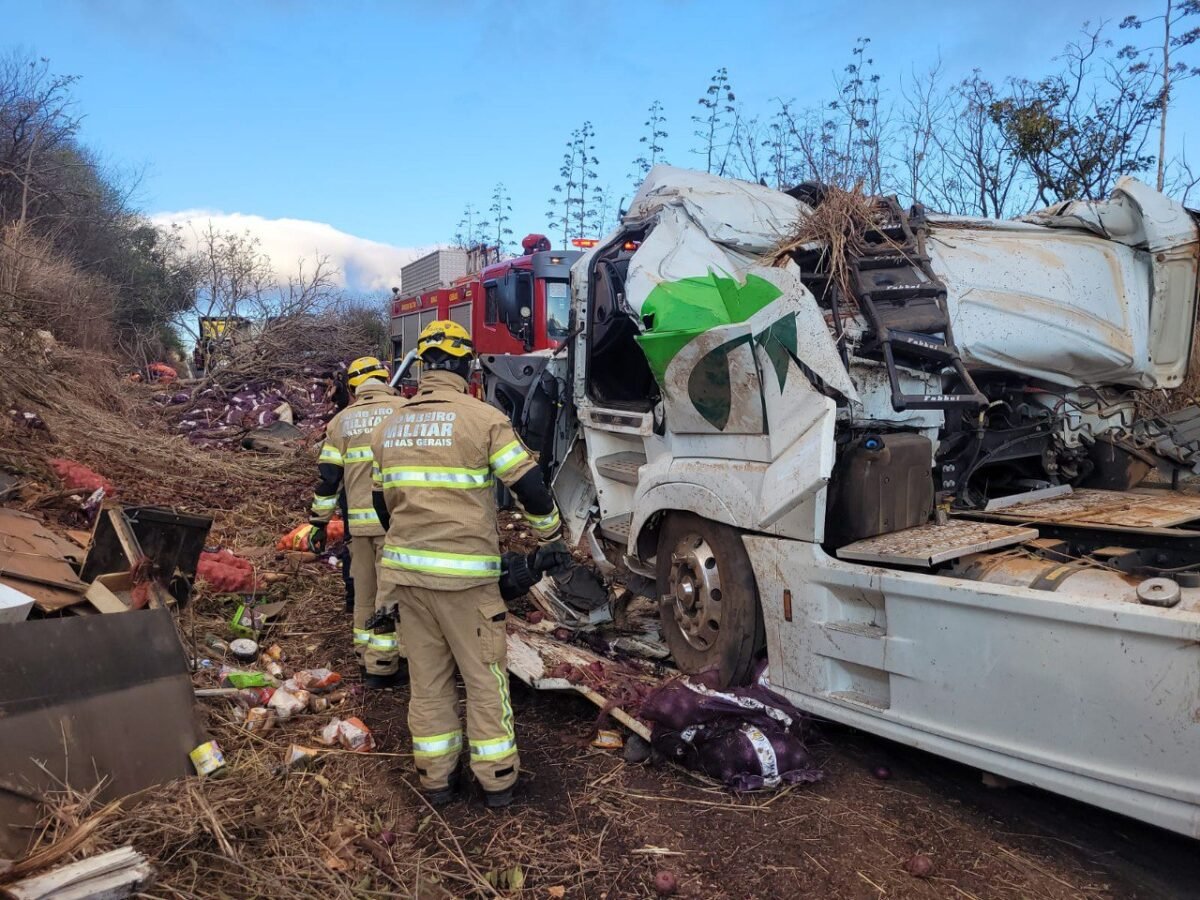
(437, 745)
(362, 637)
(497, 747)
(431, 562)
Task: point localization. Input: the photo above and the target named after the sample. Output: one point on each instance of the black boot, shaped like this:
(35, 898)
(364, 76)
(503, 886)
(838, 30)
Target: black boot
(374, 682)
(445, 795)
(499, 799)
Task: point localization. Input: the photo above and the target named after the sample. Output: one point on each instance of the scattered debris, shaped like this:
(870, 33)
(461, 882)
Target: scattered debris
(665, 883)
(34, 561)
(14, 605)
(607, 739)
(226, 573)
(298, 537)
(350, 734)
(107, 876)
(126, 713)
(76, 476)
(207, 758)
(220, 415)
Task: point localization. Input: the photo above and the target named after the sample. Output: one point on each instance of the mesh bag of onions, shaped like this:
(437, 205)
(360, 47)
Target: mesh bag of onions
(750, 738)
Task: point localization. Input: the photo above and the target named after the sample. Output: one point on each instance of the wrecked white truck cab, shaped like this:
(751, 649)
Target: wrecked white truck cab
(913, 473)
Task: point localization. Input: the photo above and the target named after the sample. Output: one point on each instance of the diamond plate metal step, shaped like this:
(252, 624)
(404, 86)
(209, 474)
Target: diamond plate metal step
(622, 467)
(616, 528)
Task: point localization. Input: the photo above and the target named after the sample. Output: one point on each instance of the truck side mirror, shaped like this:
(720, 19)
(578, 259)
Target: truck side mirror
(514, 297)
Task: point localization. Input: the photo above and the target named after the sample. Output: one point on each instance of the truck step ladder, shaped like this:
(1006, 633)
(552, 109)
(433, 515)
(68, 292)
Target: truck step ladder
(904, 304)
(622, 467)
(616, 528)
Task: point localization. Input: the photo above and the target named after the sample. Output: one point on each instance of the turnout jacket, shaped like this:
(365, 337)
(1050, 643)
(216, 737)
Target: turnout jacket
(345, 461)
(436, 461)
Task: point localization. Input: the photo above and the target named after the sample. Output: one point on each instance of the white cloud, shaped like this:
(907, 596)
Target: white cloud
(363, 265)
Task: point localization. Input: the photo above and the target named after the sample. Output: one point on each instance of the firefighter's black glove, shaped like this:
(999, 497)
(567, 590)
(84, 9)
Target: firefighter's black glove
(515, 576)
(316, 537)
(553, 558)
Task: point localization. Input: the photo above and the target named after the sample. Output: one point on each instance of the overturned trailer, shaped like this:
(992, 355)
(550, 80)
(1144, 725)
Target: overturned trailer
(915, 474)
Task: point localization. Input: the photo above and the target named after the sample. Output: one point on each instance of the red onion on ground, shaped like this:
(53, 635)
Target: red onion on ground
(665, 883)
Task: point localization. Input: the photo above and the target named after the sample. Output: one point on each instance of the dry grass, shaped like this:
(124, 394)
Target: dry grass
(98, 418)
(829, 237)
(44, 290)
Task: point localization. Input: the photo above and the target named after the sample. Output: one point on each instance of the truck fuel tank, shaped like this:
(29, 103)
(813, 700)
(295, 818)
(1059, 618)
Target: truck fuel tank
(1020, 568)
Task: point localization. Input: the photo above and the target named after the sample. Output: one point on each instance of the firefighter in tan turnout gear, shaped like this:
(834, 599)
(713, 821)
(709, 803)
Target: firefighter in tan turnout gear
(345, 469)
(436, 462)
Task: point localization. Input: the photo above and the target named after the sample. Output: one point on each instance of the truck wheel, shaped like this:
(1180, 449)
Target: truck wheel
(708, 601)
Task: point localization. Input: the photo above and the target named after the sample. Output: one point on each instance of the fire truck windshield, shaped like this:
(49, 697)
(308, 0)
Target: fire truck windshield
(558, 310)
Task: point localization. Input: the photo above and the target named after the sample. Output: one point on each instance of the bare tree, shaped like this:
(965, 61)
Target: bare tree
(1183, 178)
(862, 124)
(1171, 70)
(472, 229)
(608, 211)
(273, 323)
(38, 125)
(574, 206)
(1082, 127)
(652, 143)
(984, 173)
(751, 148)
(925, 114)
(714, 127)
(501, 210)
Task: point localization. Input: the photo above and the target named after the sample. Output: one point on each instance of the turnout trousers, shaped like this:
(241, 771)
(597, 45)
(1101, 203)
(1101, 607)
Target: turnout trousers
(378, 653)
(442, 630)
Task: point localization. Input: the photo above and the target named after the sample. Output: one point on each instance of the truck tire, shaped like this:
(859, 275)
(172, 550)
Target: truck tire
(708, 600)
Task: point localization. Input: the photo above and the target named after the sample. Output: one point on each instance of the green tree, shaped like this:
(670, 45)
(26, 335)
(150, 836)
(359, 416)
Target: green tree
(1081, 128)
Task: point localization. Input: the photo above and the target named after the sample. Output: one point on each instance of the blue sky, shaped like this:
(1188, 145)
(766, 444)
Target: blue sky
(382, 120)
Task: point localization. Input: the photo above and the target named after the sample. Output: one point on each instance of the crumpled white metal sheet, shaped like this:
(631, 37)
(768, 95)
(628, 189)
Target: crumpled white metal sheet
(748, 219)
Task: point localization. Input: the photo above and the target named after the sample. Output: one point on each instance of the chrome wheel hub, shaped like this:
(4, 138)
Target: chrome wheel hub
(694, 589)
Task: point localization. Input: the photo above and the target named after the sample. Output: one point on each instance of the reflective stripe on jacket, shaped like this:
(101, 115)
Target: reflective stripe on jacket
(348, 446)
(436, 462)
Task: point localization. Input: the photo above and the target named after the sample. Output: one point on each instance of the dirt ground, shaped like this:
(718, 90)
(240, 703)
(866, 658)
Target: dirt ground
(596, 827)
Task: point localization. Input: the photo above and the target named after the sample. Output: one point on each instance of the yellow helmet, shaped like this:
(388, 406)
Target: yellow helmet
(447, 336)
(364, 368)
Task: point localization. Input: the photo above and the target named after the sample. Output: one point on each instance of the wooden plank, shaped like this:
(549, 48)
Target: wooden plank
(103, 592)
(107, 876)
(30, 552)
(46, 598)
(125, 535)
(528, 653)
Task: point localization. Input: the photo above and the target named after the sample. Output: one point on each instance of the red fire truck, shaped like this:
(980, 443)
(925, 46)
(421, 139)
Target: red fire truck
(511, 308)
